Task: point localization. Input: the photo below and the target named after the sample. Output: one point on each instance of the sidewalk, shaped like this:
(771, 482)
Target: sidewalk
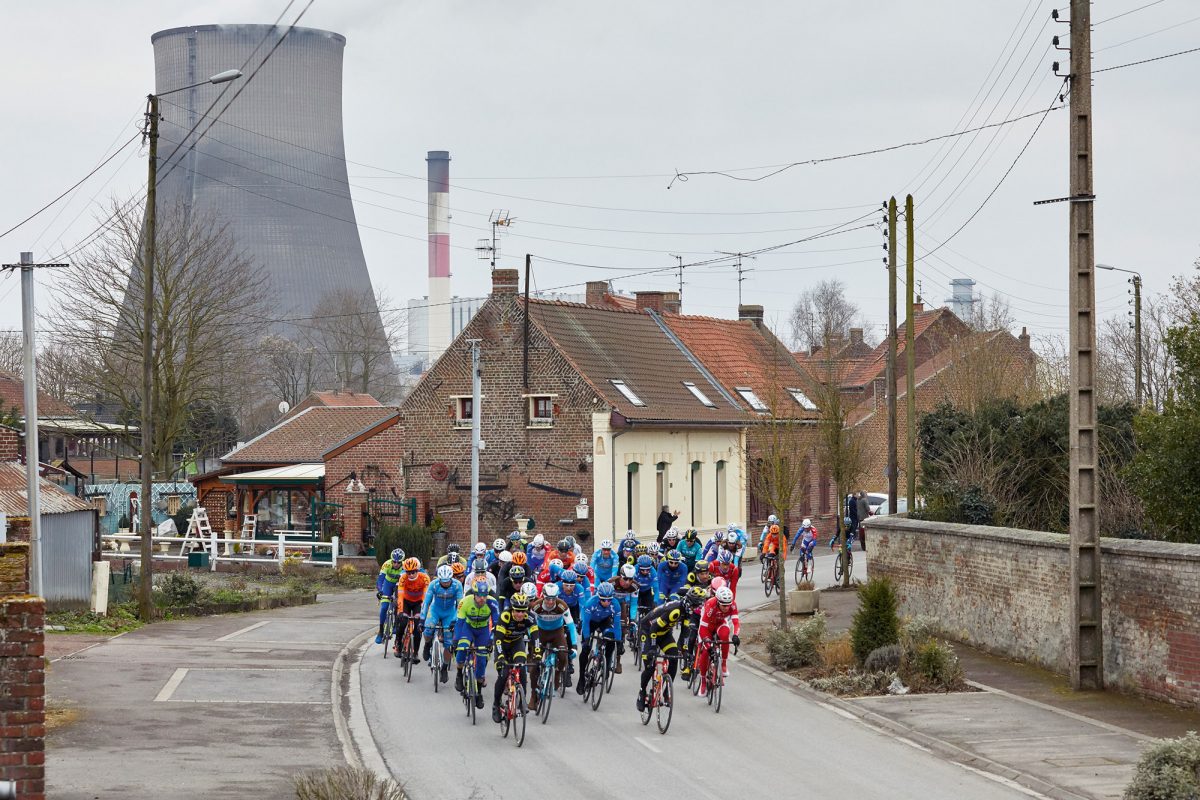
(1025, 726)
(230, 706)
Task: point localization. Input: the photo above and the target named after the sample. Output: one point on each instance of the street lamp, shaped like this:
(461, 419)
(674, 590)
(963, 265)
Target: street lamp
(1136, 280)
(145, 607)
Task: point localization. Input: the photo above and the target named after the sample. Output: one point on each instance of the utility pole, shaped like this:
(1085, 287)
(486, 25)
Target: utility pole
(680, 268)
(892, 468)
(1139, 392)
(1087, 645)
(145, 581)
(525, 370)
(476, 441)
(910, 382)
(738, 266)
(32, 457)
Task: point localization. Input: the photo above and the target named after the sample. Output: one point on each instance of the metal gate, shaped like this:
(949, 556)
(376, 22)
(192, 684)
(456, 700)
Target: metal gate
(68, 544)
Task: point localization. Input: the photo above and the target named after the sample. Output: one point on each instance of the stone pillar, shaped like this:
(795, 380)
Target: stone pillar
(22, 676)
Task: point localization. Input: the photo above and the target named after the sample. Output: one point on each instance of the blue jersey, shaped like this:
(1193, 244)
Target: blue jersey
(671, 579)
(442, 600)
(536, 559)
(596, 614)
(574, 597)
(625, 549)
(605, 567)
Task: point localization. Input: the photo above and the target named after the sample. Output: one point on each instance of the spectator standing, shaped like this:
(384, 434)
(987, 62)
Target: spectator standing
(665, 520)
(864, 511)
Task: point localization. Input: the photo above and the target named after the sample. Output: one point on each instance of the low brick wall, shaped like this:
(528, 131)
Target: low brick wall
(22, 677)
(1005, 591)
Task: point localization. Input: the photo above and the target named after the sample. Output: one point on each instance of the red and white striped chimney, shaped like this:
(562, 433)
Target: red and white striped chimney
(438, 312)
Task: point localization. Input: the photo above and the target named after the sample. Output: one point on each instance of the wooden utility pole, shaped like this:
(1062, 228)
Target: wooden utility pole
(1087, 646)
(145, 499)
(893, 465)
(910, 381)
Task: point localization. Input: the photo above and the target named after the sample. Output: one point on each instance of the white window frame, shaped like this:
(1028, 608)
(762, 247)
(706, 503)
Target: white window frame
(627, 392)
(699, 395)
(751, 398)
(802, 399)
(533, 421)
(459, 420)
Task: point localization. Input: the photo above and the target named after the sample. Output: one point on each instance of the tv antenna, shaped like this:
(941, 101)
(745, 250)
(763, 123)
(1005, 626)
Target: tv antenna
(490, 249)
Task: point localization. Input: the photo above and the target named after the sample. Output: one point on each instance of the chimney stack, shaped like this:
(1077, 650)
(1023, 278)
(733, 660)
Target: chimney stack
(504, 282)
(652, 300)
(918, 308)
(1024, 338)
(856, 336)
(671, 303)
(595, 292)
(438, 311)
(752, 313)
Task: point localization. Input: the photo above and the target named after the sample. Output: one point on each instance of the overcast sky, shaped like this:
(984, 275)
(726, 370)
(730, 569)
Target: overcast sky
(551, 109)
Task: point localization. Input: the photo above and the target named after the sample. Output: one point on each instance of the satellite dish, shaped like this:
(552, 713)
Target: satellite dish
(284, 407)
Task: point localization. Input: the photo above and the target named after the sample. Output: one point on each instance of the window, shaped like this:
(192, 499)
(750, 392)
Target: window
(720, 495)
(697, 493)
(628, 393)
(751, 398)
(541, 411)
(660, 487)
(801, 398)
(699, 395)
(463, 411)
(823, 495)
(632, 496)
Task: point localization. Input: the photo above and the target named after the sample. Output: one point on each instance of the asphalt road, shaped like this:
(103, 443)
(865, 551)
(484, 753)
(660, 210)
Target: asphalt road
(766, 742)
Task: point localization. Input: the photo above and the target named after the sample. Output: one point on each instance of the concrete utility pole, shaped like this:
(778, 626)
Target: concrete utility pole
(1139, 392)
(910, 382)
(893, 465)
(476, 441)
(145, 582)
(32, 457)
(1087, 645)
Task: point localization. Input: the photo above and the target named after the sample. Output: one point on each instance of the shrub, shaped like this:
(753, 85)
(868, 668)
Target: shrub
(180, 589)
(346, 783)
(799, 645)
(414, 540)
(884, 659)
(875, 623)
(837, 654)
(916, 631)
(1170, 770)
(934, 667)
(294, 565)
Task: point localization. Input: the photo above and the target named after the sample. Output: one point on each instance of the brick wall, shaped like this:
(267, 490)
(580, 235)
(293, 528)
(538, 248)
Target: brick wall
(10, 441)
(22, 677)
(378, 461)
(1005, 591)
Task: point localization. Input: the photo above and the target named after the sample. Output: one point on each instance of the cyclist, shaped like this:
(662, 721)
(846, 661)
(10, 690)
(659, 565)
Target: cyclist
(604, 562)
(720, 616)
(480, 576)
(774, 543)
(641, 549)
(510, 584)
(385, 587)
(655, 551)
(715, 543)
(599, 613)
(670, 540)
(459, 570)
(537, 553)
(656, 634)
(571, 592)
(672, 574)
(771, 520)
(690, 548)
(516, 541)
(516, 559)
(724, 568)
(625, 549)
(587, 578)
(807, 534)
(625, 588)
(566, 552)
(555, 630)
(647, 581)
(551, 572)
(477, 614)
(503, 559)
(441, 607)
(499, 546)
(512, 628)
(700, 576)
(576, 550)
(410, 596)
(735, 542)
(452, 555)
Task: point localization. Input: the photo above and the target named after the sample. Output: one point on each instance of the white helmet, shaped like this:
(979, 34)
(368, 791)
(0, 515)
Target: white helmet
(719, 535)
(724, 595)
(731, 527)
(581, 559)
(654, 548)
(629, 534)
(539, 541)
(627, 571)
(550, 590)
(499, 544)
(445, 573)
(556, 562)
(504, 557)
(529, 589)
(807, 523)
(606, 544)
(480, 548)
(772, 519)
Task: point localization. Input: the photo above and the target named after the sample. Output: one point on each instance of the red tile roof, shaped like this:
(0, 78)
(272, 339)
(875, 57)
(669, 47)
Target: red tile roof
(874, 365)
(740, 354)
(333, 400)
(14, 497)
(606, 344)
(12, 395)
(304, 438)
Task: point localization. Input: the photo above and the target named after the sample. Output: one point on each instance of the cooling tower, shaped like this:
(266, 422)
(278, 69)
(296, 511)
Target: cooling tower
(273, 164)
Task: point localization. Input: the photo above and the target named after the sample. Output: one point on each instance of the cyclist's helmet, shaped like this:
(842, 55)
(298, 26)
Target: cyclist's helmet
(719, 536)
(518, 602)
(645, 563)
(529, 589)
(556, 570)
(479, 566)
(673, 558)
(654, 548)
(480, 548)
(725, 557)
(539, 541)
(412, 564)
(605, 591)
(731, 528)
(519, 558)
(627, 571)
(772, 519)
(580, 569)
(701, 566)
(581, 559)
(453, 548)
(479, 590)
(629, 534)
(550, 590)
(690, 534)
(516, 574)
(724, 596)
(556, 562)
(514, 537)
(569, 577)
(505, 557)
(499, 545)
(445, 574)
(563, 546)
(606, 545)
(672, 535)
(641, 549)
(458, 568)
(717, 583)
(696, 596)
(774, 530)
(807, 523)
(397, 556)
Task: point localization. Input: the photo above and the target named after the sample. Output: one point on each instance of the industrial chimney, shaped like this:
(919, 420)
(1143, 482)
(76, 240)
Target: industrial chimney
(438, 312)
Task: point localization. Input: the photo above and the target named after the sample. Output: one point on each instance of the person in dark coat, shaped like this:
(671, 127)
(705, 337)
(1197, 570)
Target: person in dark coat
(665, 520)
(864, 511)
(851, 513)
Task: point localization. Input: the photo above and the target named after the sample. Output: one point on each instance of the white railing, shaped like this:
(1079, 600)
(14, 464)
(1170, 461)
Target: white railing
(235, 549)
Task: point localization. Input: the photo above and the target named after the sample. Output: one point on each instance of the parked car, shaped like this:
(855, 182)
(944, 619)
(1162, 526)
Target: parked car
(884, 508)
(875, 500)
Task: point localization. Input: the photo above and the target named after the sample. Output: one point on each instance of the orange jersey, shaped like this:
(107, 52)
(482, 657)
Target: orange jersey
(772, 544)
(412, 586)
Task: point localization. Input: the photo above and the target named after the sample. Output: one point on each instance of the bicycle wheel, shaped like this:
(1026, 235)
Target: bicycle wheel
(562, 679)
(716, 684)
(435, 661)
(694, 682)
(664, 708)
(387, 632)
(648, 711)
(406, 650)
(596, 683)
(545, 695)
(768, 578)
(517, 708)
(472, 693)
(849, 563)
(837, 567)
(505, 713)
(609, 675)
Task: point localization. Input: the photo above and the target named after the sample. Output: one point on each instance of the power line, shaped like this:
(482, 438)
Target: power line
(1147, 60)
(1147, 35)
(1126, 13)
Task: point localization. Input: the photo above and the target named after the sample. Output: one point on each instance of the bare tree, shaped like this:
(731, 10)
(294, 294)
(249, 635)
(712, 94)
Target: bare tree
(290, 368)
(352, 335)
(991, 313)
(204, 321)
(987, 366)
(1118, 354)
(1052, 370)
(12, 358)
(823, 314)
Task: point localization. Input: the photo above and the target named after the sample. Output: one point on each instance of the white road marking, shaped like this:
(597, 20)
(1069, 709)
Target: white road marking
(653, 748)
(246, 629)
(841, 712)
(171, 685)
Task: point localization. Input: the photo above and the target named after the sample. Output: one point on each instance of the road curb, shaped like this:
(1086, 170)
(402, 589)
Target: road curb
(913, 737)
(349, 716)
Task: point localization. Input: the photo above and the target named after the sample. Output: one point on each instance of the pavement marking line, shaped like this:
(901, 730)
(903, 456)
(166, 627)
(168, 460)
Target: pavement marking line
(1000, 779)
(841, 712)
(171, 685)
(653, 748)
(246, 629)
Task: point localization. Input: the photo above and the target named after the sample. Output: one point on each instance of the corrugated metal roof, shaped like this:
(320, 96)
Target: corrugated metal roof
(14, 497)
(298, 473)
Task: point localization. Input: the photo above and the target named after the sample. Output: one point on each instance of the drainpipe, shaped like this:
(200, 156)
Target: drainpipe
(612, 450)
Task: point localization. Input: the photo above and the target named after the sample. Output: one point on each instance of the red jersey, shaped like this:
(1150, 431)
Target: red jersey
(712, 616)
